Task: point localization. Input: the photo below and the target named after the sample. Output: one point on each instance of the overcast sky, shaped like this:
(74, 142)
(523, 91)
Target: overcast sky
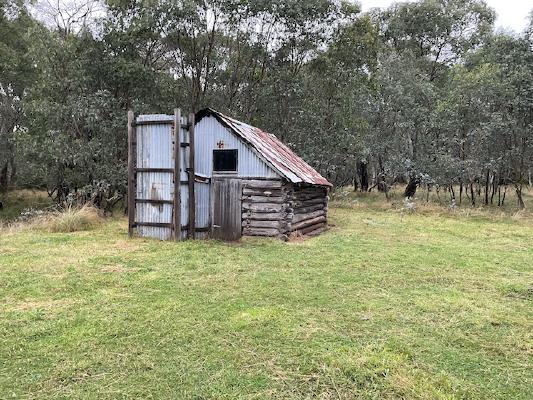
(511, 13)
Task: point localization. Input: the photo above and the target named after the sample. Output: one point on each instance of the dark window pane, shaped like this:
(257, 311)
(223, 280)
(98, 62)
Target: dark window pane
(225, 160)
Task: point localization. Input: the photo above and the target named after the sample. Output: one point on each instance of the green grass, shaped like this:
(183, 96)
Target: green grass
(385, 305)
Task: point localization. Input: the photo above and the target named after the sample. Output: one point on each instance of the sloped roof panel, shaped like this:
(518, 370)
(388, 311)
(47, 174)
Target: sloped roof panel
(281, 157)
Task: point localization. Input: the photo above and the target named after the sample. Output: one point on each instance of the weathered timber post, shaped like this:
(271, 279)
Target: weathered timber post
(177, 175)
(131, 172)
(192, 202)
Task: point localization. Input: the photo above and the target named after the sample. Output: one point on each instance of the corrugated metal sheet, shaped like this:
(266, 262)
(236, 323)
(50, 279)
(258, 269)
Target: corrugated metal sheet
(154, 150)
(209, 132)
(282, 159)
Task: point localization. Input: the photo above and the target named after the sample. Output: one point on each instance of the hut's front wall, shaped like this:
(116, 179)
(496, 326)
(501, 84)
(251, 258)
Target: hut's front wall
(212, 135)
(278, 208)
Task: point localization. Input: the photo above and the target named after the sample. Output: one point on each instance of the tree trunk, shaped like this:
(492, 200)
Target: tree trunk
(410, 189)
(4, 177)
(362, 174)
(518, 189)
(487, 181)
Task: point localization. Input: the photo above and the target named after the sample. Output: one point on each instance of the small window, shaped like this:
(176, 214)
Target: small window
(225, 160)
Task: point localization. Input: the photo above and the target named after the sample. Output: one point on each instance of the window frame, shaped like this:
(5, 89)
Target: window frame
(230, 172)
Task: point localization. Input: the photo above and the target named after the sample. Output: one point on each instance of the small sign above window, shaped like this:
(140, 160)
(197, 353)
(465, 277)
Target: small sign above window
(225, 160)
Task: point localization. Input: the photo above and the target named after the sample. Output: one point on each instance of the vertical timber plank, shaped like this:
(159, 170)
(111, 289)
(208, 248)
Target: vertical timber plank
(192, 200)
(177, 184)
(131, 172)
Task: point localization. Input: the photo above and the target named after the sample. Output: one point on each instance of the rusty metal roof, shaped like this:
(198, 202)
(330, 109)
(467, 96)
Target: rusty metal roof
(275, 152)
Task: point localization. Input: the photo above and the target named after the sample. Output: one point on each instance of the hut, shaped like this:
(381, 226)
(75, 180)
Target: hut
(235, 179)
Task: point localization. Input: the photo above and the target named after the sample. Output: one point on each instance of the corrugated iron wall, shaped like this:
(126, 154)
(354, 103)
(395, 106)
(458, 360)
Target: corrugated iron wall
(209, 132)
(155, 150)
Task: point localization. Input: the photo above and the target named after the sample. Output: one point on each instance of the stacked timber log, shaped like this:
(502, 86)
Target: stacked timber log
(278, 208)
(310, 208)
(265, 210)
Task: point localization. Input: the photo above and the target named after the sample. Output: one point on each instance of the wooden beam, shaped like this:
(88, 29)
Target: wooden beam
(153, 122)
(131, 172)
(154, 224)
(170, 170)
(190, 170)
(177, 173)
(158, 122)
(154, 201)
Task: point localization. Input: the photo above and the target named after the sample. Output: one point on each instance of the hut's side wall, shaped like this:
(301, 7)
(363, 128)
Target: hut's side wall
(265, 208)
(278, 208)
(310, 208)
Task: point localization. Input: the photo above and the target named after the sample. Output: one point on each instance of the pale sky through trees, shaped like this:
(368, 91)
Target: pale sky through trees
(511, 13)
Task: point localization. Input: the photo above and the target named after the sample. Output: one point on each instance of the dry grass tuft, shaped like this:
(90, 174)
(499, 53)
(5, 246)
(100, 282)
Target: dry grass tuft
(72, 219)
(68, 219)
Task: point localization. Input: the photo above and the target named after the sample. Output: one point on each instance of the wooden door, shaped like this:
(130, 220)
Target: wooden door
(227, 219)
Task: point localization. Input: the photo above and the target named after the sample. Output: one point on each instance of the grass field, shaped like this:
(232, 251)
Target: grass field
(387, 304)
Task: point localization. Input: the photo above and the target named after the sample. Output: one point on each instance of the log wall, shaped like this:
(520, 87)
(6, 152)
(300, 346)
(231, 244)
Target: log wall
(310, 209)
(278, 208)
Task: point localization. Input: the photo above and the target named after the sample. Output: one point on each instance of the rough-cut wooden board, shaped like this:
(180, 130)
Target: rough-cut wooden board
(191, 204)
(262, 207)
(302, 217)
(176, 210)
(131, 174)
(307, 222)
(261, 224)
(263, 199)
(261, 192)
(253, 183)
(275, 216)
(261, 231)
